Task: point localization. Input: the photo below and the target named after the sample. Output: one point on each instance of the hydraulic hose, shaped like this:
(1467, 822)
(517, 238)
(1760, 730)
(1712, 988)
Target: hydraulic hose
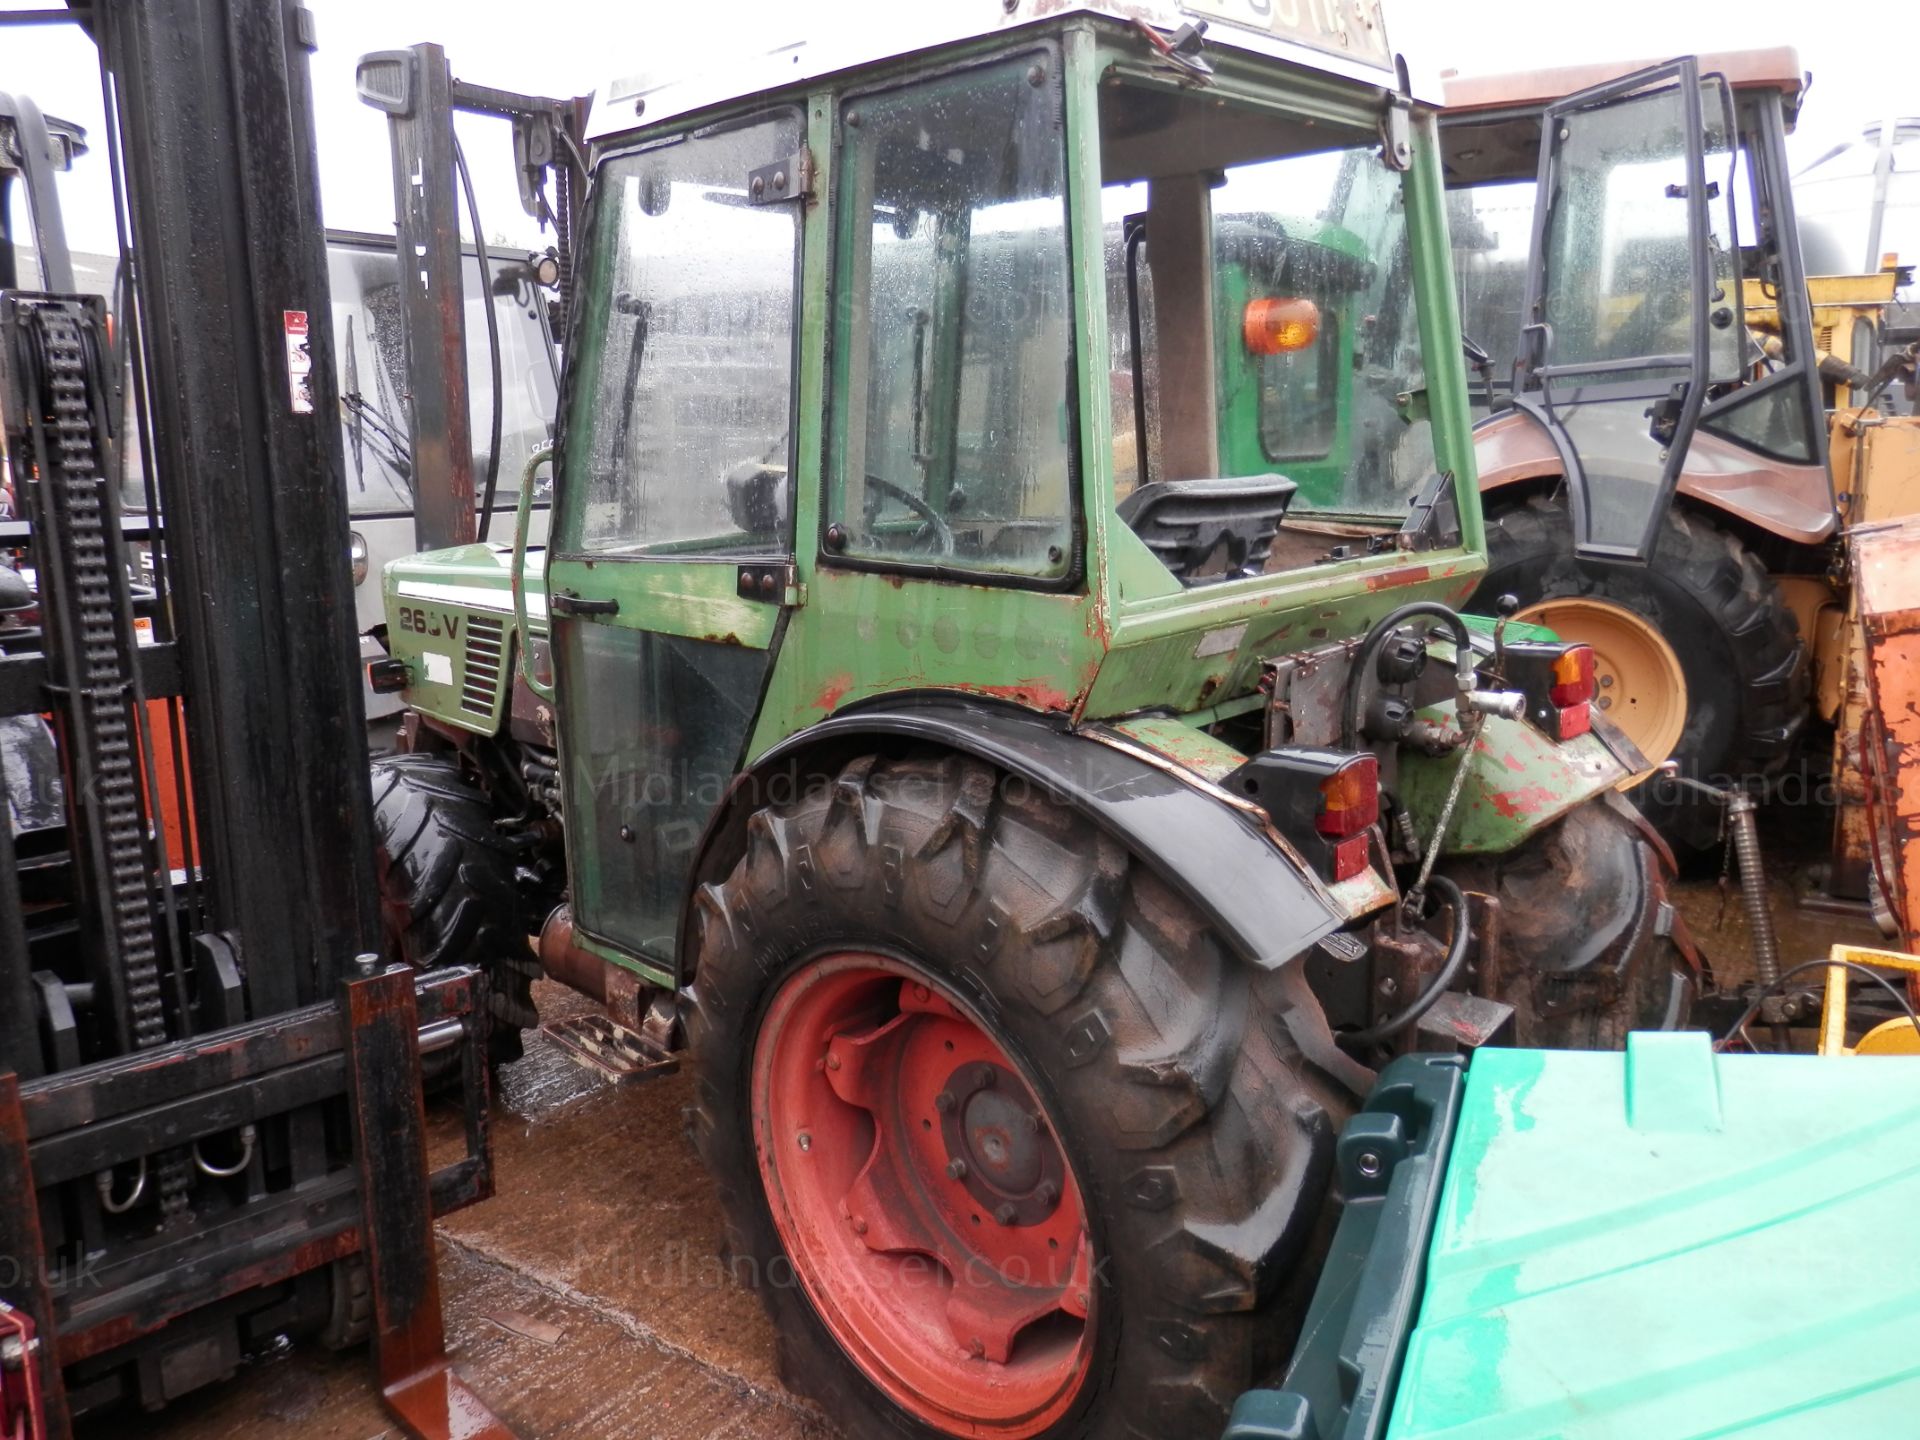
(1449, 972)
(493, 337)
(1350, 711)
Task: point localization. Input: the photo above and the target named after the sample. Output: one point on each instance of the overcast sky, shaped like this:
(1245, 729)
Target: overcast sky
(564, 47)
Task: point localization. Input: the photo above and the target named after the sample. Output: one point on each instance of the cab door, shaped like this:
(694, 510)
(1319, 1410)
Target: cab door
(670, 570)
(1633, 296)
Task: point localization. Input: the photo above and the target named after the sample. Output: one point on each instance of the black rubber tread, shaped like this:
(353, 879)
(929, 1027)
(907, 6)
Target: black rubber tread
(1585, 928)
(1737, 641)
(448, 895)
(350, 1320)
(1202, 1141)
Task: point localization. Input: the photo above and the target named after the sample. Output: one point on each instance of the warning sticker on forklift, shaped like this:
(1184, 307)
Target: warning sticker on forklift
(299, 362)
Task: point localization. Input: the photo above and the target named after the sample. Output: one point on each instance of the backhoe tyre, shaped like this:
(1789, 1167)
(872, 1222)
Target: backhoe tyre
(1586, 947)
(1719, 616)
(1008, 1140)
(448, 895)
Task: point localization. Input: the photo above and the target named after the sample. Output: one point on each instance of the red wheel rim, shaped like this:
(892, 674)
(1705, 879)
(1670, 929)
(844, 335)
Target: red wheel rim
(923, 1197)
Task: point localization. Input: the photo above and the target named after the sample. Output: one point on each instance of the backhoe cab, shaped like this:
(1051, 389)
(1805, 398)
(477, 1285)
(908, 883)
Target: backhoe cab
(1680, 419)
(1039, 830)
(1653, 452)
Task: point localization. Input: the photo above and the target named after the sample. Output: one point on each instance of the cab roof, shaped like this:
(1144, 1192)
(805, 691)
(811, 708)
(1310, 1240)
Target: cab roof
(1348, 40)
(1777, 68)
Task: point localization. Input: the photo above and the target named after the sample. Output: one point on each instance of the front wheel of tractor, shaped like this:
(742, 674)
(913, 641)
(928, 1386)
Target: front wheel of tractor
(448, 893)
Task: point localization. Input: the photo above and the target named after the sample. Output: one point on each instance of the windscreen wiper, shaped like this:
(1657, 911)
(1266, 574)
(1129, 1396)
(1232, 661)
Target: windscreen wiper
(358, 429)
(379, 436)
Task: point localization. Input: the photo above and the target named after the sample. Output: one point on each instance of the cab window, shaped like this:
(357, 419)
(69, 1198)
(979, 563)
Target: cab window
(952, 429)
(1281, 347)
(680, 428)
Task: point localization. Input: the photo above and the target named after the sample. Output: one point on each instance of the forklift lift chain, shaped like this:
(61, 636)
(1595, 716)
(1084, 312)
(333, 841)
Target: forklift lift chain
(82, 588)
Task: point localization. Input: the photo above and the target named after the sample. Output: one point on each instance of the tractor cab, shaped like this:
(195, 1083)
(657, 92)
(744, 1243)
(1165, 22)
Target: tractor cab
(993, 691)
(859, 407)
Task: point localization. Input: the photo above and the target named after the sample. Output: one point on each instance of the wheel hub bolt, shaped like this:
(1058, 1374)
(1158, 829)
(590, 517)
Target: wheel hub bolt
(986, 1077)
(957, 1169)
(859, 1224)
(806, 1141)
(1033, 1124)
(833, 1061)
(1045, 1192)
(1006, 1214)
(943, 1102)
(977, 1347)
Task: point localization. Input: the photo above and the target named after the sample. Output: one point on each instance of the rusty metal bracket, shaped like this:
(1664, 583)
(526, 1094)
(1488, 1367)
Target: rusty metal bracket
(21, 1412)
(32, 1394)
(389, 1126)
(610, 1049)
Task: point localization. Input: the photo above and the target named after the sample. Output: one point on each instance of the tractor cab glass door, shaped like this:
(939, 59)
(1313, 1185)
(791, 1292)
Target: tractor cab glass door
(1634, 297)
(670, 567)
(952, 436)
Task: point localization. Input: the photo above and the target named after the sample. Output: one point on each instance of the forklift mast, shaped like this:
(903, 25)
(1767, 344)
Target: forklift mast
(211, 1132)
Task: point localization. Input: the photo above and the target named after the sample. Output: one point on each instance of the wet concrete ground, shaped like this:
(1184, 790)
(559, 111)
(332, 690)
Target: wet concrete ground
(603, 1226)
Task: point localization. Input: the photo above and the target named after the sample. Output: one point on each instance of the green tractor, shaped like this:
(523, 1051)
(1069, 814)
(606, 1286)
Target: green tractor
(1035, 836)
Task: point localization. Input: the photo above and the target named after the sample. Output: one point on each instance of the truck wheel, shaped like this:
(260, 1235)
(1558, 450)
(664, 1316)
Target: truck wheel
(1698, 656)
(1009, 1142)
(1586, 947)
(448, 895)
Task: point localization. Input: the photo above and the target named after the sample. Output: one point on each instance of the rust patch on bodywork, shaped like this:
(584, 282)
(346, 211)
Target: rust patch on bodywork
(833, 692)
(1038, 693)
(1405, 575)
(1527, 800)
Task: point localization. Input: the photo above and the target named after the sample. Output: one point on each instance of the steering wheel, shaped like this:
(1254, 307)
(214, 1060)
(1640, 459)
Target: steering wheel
(935, 525)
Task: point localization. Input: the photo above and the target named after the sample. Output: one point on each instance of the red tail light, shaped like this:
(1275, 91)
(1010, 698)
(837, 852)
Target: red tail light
(1349, 798)
(1573, 677)
(1350, 856)
(1575, 720)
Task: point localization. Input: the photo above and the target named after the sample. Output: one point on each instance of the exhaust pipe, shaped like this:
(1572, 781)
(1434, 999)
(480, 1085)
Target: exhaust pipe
(566, 962)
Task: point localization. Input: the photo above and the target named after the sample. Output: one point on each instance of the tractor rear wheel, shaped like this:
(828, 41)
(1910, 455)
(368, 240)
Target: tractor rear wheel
(1698, 655)
(1010, 1142)
(448, 895)
(1587, 949)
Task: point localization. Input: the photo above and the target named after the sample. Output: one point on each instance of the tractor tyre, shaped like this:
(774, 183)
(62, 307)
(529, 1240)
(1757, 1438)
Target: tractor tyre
(1009, 1140)
(1699, 657)
(1587, 948)
(448, 895)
